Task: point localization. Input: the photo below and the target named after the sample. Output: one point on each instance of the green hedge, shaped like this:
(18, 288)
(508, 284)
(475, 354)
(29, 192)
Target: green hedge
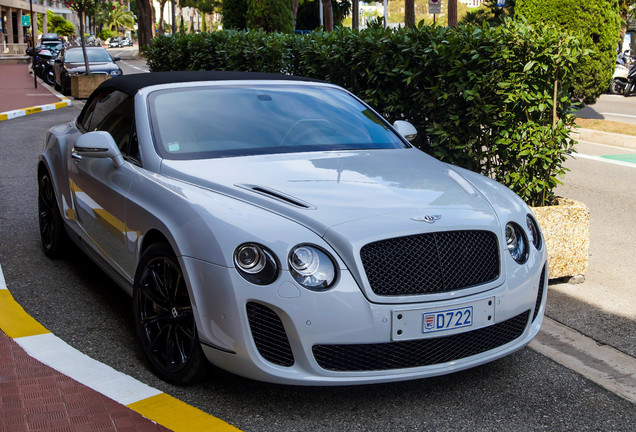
(480, 97)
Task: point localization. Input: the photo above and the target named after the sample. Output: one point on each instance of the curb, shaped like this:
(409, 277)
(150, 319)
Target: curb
(47, 348)
(608, 138)
(8, 115)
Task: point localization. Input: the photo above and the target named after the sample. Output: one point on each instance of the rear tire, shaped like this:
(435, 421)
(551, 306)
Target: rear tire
(616, 87)
(165, 319)
(629, 88)
(49, 78)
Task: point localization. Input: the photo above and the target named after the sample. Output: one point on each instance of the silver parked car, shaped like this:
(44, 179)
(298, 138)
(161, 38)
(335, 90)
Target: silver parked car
(282, 230)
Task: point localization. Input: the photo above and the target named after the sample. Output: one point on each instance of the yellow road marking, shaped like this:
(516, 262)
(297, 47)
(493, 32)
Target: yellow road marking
(14, 321)
(179, 416)
(31, 110)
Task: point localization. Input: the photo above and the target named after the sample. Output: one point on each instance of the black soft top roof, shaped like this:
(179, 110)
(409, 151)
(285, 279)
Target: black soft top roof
(131, 84)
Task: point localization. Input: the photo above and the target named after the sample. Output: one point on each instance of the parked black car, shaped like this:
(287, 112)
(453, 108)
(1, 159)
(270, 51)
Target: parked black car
(71, 62)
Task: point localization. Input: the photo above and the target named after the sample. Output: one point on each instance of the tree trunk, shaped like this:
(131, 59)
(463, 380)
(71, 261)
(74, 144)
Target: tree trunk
(82, 23)
(409, 13)
(328, 14)
(355, 14)
(146, 27)
(294, 12)
(452, 13)
(162, 6)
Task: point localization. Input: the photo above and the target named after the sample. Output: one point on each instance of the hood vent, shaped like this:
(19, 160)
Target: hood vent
(278, 196)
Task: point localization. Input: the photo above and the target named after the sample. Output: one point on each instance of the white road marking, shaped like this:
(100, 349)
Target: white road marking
(602, 159)
(54, 352)
(619, 115)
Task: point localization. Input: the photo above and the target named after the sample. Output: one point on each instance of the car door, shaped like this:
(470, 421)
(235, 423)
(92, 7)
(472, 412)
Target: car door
(98, 188)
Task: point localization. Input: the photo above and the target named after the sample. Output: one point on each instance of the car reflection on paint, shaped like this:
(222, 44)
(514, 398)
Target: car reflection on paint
(278, 228)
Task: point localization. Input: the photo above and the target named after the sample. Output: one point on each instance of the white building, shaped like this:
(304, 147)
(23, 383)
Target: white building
(472, 3)
(15, 22)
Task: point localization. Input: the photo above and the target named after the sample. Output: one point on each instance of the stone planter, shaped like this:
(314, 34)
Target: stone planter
(566, 228)
(83, 85)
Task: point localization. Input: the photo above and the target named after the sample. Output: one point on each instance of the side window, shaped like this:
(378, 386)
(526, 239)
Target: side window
(113, 111)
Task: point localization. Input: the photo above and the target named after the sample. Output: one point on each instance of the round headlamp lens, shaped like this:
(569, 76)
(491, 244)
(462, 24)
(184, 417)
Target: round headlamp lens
(311, 267)
(516, 243)
(250, 259)
(256, 264)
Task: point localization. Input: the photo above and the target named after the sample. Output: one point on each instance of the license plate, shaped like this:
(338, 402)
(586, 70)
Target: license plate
(447, 319)
(418, 323)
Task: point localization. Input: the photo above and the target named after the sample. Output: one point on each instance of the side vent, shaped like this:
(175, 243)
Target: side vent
(277, 195)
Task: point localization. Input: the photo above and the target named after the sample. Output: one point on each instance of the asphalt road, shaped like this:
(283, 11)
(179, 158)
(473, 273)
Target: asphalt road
(130, 62)
(604, 306)
(77, 302)
(616, 108)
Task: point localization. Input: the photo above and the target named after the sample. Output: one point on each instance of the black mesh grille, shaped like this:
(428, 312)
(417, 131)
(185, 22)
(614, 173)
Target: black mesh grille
(269, 334)
(421, 352)
(537, 305)
(431, 263)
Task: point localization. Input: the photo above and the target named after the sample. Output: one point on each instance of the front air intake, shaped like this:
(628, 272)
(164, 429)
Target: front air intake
(269, 335)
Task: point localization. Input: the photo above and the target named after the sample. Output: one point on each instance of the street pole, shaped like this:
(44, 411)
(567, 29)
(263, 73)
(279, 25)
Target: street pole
(35, 78)
(386, 13)
(174, 24)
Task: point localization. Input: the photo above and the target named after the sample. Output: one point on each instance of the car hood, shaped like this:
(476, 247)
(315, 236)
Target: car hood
(329, 189)
(94, 67)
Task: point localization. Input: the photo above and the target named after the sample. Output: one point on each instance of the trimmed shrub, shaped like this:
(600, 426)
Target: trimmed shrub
(596, 23)
(480, 97)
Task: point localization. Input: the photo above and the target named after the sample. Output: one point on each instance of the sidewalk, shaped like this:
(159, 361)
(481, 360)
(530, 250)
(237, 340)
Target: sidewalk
(18, 95)
(34, 397)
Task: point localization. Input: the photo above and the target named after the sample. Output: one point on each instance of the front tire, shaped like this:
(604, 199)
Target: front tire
(52, 234)
(164, 318)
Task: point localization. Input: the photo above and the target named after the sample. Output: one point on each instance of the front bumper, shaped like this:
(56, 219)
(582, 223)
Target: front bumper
(285, 334)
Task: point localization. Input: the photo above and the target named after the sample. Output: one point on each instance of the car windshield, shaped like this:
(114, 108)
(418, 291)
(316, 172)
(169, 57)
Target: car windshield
(210, 122)
(94, 56)
(53, 46)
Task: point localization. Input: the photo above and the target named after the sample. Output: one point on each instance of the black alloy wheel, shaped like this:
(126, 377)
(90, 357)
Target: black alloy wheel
(52, 234)
(165, 319)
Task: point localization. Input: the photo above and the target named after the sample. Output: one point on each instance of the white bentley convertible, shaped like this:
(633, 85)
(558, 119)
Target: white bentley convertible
(282, 230)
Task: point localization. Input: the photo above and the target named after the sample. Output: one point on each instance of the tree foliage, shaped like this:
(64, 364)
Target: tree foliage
(596, 23)
(57, 24)
(490, 99)
(270, 15)
(308, 17)
(234, 14)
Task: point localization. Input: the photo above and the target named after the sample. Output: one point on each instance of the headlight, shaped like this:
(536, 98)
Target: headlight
(256, 264)
(535, 232)
(312, 267)
(115, 72)
(516, 242)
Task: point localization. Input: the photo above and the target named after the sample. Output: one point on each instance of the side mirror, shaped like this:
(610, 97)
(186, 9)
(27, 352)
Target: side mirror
(406, 129)
(98, 144)
(116, 59)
